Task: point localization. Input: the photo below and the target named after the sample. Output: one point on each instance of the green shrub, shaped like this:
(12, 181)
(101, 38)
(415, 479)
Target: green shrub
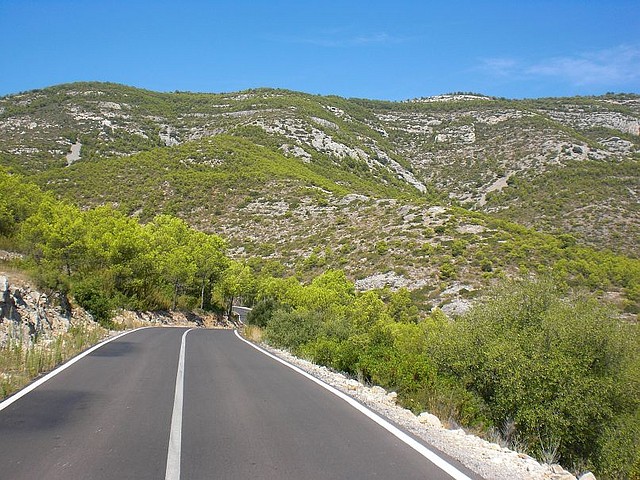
(447, 271)
(90, 295)
(446, 398)
(620, 449)
(261, 313)
(553, 365)
(342, 356)
(292, 329)
(382, 247)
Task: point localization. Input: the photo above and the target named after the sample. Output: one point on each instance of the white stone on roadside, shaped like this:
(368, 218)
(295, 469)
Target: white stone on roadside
(391, 398)
(4, 289)
(352, 384)
(563, 476)
(559, 473)
(427, 418)
(587, 476)
(378, 391)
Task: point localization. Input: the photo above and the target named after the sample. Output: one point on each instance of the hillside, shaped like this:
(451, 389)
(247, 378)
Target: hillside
(563, 165)
(517, 219)
(538, 162)
(372, 187)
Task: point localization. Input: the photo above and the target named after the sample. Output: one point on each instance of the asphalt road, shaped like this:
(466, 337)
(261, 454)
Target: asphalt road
(241, 415)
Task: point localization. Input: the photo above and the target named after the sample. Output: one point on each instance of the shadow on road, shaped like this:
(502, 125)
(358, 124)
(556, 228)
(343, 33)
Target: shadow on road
(115, 349)
(69, 406)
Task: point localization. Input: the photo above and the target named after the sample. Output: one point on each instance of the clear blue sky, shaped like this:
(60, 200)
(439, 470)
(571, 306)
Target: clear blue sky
(375, 49)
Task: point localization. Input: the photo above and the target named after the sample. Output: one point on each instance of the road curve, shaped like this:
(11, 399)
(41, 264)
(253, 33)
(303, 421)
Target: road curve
(244, 416)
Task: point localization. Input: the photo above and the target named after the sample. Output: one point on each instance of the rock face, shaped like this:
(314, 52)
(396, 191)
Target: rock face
(5, 298)
(74, 154)
(167, 136)
(27, 314)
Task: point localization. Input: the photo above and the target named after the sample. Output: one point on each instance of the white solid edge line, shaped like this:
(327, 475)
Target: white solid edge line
(417, 446)
(175, 436)
(32, 386)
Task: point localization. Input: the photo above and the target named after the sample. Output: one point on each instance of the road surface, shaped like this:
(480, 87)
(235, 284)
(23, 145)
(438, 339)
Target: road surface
(132, 409)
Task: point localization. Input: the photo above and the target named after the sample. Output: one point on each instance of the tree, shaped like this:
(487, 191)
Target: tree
(55, 238)
(401, 307)
(554, 365)
(172, 243)
(18, 201)
(236, 280)
(208, 255)
(119, 251)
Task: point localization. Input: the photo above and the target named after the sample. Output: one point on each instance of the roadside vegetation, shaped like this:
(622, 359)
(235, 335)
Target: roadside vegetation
(537, 366)
(20, 363)
(107, 260)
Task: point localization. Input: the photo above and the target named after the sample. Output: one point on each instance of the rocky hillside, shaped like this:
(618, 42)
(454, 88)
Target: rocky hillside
(38, 329)
(445, 196)
(560, 165)
(411, 193)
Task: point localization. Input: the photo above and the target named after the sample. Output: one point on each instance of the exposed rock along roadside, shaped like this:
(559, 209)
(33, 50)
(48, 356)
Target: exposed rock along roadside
(489, 460)
(27, 313)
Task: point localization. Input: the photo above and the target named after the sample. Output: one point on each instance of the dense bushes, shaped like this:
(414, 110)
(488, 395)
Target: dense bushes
(557, 368)
(554, 368)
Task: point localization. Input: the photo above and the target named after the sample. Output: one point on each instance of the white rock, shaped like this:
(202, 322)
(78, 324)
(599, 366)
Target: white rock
(427, 418)
(352, 384)
(469, 228)
(378, 391)
(167, 136)
(587, 476)
(559, 473)
(4, 289)
(390, 279)
(437, 210)
(353, 197)
(325, 123)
